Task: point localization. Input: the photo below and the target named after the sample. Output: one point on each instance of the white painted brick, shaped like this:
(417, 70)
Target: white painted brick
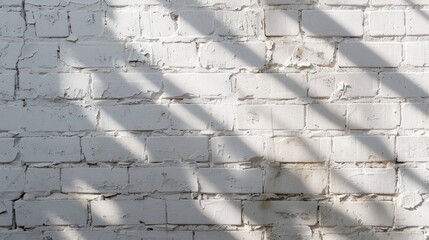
(11, 2)
(363, 149)
(236, 148)
(12, 24)
(20, 235)
(127, 212)
(281, 2)
(42, 180)
(370, 213)
(414, 180)
(205, 212)
(303, 54)
(202, 117)
(163, 179)
(7, 86)
(281, 22)
(285, 212)
(12, 179)
(265, 117)
(369, 54)
(157, 24)
(43, 2)
(39, 55)
(196, 23)
(399, 2)
(155, 235)
(51, 212)
(121, 23)
(175, 54)
(373, 116)
(124, 117)
(346, 2)
(272, 85)
(6, 216)
(52, 24)
(416, 22)
(94, 180)
(417, 54)
(414, 115)
(122, 85)
(332, 23)
(228, 235)
(224, 180)
(92, 54)
(138, 52)
(50, 149)
(343, 85)
(12, 117)
(205, 85)
(386, 23)
(237, 23)
(404, 85)
(363, 180)
(119, 3)
(249, 55)
(64, 85)
(159, 149)
(326, 116)
(9, 54)
(300, 149)
(417, 235)
(412, 217)
(8, 150)
(413, 148)
(86, 23)
(113, 149)
(92, 234)
(296, 180)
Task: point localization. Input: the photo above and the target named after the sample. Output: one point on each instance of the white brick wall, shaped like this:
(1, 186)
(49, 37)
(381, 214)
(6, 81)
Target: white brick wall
(214, 119)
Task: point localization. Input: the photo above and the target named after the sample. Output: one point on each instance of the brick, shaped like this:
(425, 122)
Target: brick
(417, 54)
(127, 212)
(281, 2)
(281, 22)
(363, 180)
(343, 85)
(205, 85)
(120, 23)
(64, 85)
(187, 148)
(51, 212)
(386, 23)
(92, 54)
(373, 116)
(202, 117)
(196, 23)
(326, 116)
(414, 115)
(168, 235)
(346, 2)
(115, 85)
(414, 180)
(284, 231)
(412, 148)
(12, 117)
(363, 149)
(12, 179)
(94, 180)
(399, 2)
(42, 180)
(368, 213)
(270, 117)
(223, 180)
(163, 179)
(87, 23)
(303, 54)
(113, 149)
(7, 86)
(236, 148)
(237, 23)
(392, 235)
(9, 54)
(404, 85)
(412, 217)
(8, 150)
(228, 235)
(50, 149)
(124, 117)
(52, 24)
(285, 212)
(21, 235)
(72, 234)
(39, 55)
(332, 23)
(157, 24)
(43, 2)
(10, 2)
(207, 212)
(272, 85)
(174, 54)
(12, 24)
(6, 216)
(249, 55)
(300, 149)
(416, 21)
(299, 180)
(369, 54)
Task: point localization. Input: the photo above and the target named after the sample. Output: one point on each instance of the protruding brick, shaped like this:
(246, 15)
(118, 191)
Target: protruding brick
(404, 85)
(87, 23)
(413, 148)
(281, 22)
(415, 115)
(369, 54)
(386, 23)
(323, 23)
(416, 22)
(417, 54)
(123, 23)
(414, 180)
(12, 24)
(52, 24)
(373, 116)
(237, 23)
(363, 149)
